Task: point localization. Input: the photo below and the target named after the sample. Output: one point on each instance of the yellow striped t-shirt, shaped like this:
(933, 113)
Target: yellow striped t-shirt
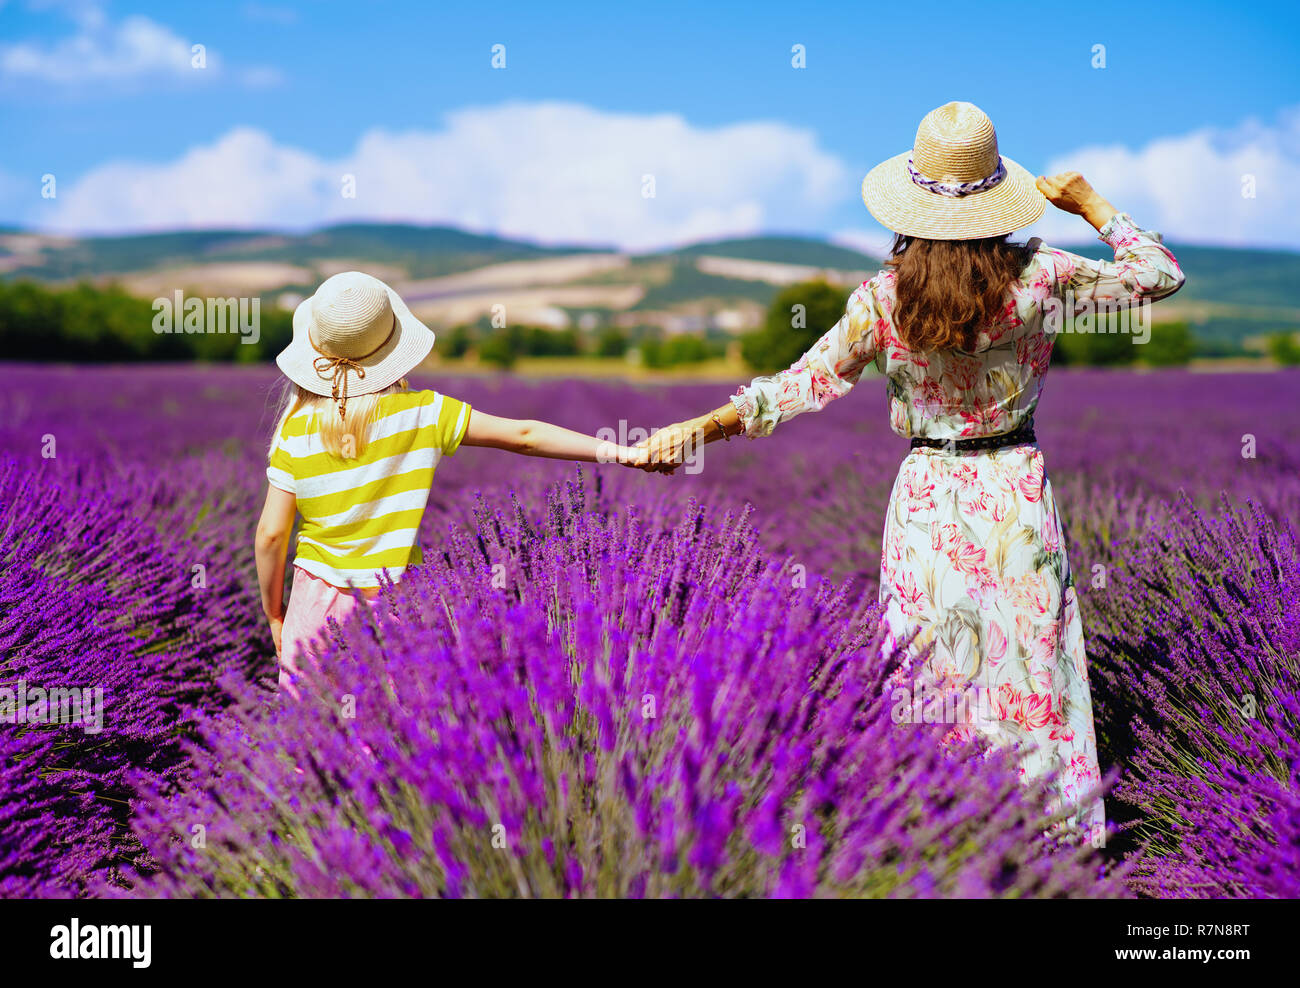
(361, 515)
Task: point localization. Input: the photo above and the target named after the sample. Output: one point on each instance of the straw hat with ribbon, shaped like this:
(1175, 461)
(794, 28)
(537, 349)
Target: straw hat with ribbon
(355, 336)
(953, 184)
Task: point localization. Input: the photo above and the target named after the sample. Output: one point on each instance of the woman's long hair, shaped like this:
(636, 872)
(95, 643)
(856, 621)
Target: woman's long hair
(946, 291)
(348, 439)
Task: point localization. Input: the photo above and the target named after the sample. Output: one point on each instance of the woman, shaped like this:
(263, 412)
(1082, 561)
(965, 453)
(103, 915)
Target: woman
(962, 323)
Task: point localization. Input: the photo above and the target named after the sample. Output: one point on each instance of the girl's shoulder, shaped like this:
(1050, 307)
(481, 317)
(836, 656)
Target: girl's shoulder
(296, 424)
(427, 401)
(398, 401)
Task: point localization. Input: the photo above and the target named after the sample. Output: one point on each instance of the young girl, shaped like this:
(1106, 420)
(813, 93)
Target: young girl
(355, 452)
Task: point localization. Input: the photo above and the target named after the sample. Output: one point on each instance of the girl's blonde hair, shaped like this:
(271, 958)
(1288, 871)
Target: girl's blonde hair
(347, 439)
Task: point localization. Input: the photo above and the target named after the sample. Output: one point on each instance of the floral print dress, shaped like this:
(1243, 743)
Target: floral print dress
(973, 568)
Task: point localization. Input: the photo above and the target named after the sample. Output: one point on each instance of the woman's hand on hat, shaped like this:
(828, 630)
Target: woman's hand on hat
(1068, 191)
(1071, 192)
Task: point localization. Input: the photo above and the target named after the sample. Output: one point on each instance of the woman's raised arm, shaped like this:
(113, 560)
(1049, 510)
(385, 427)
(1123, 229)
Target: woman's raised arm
(1144, 270)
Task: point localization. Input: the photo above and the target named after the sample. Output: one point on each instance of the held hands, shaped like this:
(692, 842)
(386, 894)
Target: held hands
(667, 448)
(678, 444)
(630, 456)
(1070, 191)
(663, 452)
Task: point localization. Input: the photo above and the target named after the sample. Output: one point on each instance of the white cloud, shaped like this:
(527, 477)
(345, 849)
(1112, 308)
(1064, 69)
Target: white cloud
(102, 51)
(1189, 187)
(239, 181)
(566, 173)
(552, 172)
(134, 47)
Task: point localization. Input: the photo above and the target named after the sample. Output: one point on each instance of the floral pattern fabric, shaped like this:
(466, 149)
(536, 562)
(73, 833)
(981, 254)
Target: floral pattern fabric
(973, 569)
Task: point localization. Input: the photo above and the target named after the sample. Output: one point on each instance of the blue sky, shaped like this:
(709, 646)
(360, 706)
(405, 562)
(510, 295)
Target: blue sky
(594, 97)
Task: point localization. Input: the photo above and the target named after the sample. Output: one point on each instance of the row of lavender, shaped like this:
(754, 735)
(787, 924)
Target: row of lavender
(656, 699)
(633, 713)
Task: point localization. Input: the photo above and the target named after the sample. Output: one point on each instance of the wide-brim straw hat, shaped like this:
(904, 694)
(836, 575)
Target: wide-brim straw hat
(354, 336)
(953, 184)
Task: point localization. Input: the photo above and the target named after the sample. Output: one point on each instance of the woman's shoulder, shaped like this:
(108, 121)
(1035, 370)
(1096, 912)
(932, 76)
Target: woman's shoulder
(1046, 261)
(875, 290)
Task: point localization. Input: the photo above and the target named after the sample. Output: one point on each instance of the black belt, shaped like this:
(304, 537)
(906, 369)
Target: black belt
(1021, 436)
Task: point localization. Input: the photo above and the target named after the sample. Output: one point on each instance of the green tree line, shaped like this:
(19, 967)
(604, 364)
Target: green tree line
(86, 323)
(502, 346)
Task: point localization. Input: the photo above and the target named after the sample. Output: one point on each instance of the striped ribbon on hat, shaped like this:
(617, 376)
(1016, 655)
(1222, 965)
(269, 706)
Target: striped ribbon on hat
(955, 190)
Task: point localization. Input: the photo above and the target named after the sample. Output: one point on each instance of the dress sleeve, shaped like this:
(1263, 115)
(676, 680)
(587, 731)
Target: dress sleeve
(828, 370)
(1143, 269)
(279, 469)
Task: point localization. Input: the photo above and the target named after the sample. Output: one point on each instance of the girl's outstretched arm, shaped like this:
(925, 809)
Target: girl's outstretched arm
(270, 546)
(533, 438)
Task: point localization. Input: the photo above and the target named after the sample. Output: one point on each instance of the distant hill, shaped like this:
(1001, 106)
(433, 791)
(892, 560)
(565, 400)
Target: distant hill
(1230, 295)
(423, 251)
(784, 250)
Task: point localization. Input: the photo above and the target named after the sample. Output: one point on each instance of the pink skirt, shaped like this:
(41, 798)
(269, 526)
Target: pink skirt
(312, 602)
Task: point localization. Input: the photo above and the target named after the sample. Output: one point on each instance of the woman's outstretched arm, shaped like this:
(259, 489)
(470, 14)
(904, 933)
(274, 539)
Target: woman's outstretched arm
(828, 370)
(671, 445)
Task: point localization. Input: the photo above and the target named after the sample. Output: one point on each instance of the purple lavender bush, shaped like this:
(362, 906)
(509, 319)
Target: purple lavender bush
(97, 599)
(628, 711)
(1197, 641)
(536, 718)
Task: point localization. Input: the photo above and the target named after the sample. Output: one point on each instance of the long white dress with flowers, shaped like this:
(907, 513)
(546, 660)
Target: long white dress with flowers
(972, 562)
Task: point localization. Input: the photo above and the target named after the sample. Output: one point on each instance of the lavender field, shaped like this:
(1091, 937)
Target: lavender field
(604, 682)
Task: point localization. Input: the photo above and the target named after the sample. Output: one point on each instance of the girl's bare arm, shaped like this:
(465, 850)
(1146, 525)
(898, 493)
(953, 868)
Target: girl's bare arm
(533, 438)
(270, 546)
